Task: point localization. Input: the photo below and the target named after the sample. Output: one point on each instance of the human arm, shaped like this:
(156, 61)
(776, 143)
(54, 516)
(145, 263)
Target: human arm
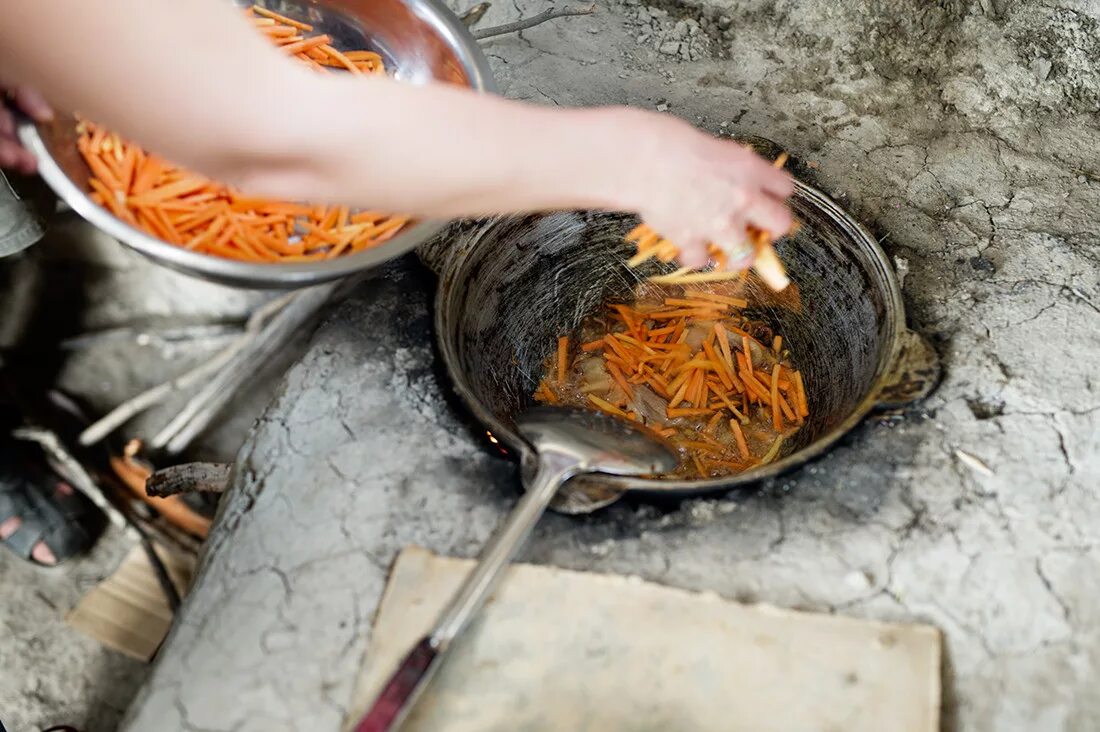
(216, 97)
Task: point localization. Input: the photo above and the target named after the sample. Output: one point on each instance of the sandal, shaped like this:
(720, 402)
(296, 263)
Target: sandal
(42, 518)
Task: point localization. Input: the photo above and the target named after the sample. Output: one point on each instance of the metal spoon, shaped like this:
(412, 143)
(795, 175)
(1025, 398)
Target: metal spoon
(568, 442)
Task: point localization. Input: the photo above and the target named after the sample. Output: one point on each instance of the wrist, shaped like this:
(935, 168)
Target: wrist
(630, 141)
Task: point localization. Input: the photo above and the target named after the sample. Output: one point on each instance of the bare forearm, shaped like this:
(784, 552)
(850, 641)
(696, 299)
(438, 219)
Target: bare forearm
(216, 98)
(443, 151)
(191, 81)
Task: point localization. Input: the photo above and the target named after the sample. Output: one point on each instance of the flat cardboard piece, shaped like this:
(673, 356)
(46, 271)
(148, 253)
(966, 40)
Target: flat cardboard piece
(581, 652)
(128, 611)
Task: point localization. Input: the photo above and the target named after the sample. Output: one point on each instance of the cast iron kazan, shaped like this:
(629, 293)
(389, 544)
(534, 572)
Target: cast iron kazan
(510, 286)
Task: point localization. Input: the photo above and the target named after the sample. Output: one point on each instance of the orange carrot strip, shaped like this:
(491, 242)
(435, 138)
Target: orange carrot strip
(696, 363)
(697, 393)
(209, 234)
(363, 56)
(699, 466)
(739, 436)
(128, 168)
(379, 233)
(100, 170)
(688, 313)
(340, 58)
(694, 304)
(800, 392)
(147, 219)
(736, 302)
(748, 353)
(617, 375)
(278, 31)
(788, 410)
(281, 18)
(306, 44)
(563, 358)
(607, 406)
(367, 217)
(729, 405)
(619, 350)
(95, 142)
(171, 190)
(777, 412)
(637, 232)
(720, 366)
(147, 176)
(593, 345)
(173, 236)
(110, 199)
(754, 388)
(687, 412)
(680, 392)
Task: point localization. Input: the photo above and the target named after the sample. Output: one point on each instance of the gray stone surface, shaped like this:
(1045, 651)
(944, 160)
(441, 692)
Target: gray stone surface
(965, 134)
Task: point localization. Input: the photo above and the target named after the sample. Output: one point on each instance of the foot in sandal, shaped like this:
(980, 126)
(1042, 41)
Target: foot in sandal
(42, 518)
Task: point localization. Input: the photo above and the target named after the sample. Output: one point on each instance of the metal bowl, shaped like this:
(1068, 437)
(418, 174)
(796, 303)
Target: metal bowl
(420, 41)
(509, 287)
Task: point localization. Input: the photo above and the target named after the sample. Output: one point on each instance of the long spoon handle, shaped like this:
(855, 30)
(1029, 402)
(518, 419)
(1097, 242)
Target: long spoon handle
(392, 705)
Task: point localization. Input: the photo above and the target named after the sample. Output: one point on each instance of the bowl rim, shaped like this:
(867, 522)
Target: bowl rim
(262, 274)
(895, 330)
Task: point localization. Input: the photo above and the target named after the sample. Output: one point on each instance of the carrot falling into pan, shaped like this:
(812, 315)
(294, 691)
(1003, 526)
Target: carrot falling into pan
(190, 211)
(766, 263)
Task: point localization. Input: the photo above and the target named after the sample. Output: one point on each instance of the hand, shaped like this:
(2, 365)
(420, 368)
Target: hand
(695, 189)
(12, 154)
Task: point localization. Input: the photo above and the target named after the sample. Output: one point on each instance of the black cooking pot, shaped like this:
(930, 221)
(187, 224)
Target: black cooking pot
(510, 286)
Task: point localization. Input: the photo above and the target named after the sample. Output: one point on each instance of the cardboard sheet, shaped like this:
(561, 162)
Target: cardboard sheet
(563, 650)
(128, 611)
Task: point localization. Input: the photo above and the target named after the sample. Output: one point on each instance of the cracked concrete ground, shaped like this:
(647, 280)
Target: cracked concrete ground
(77, 282)
(966, 136)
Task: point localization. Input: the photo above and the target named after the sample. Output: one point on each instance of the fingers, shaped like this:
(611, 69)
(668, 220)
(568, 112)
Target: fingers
(736, 245)
(693, 252)
(32, 104)
(14, 157)
(12, 154)
(778, 183)
(768, 214)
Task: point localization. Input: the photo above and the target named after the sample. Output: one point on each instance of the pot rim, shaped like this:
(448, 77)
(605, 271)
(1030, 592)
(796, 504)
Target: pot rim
(895, 326)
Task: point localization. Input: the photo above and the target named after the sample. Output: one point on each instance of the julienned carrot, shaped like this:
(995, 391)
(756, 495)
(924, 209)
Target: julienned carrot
(617, 375)
(688, 412)
(563, 358)
(192, 212)
(739, 436)
(777, 412)
(607, 406)
(800, 391)
(685, 359)
(340, 58)
(281, 19)
(306, 43)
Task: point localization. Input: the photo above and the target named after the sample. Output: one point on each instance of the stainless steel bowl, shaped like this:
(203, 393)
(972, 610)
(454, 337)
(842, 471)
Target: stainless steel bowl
(420, 40)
